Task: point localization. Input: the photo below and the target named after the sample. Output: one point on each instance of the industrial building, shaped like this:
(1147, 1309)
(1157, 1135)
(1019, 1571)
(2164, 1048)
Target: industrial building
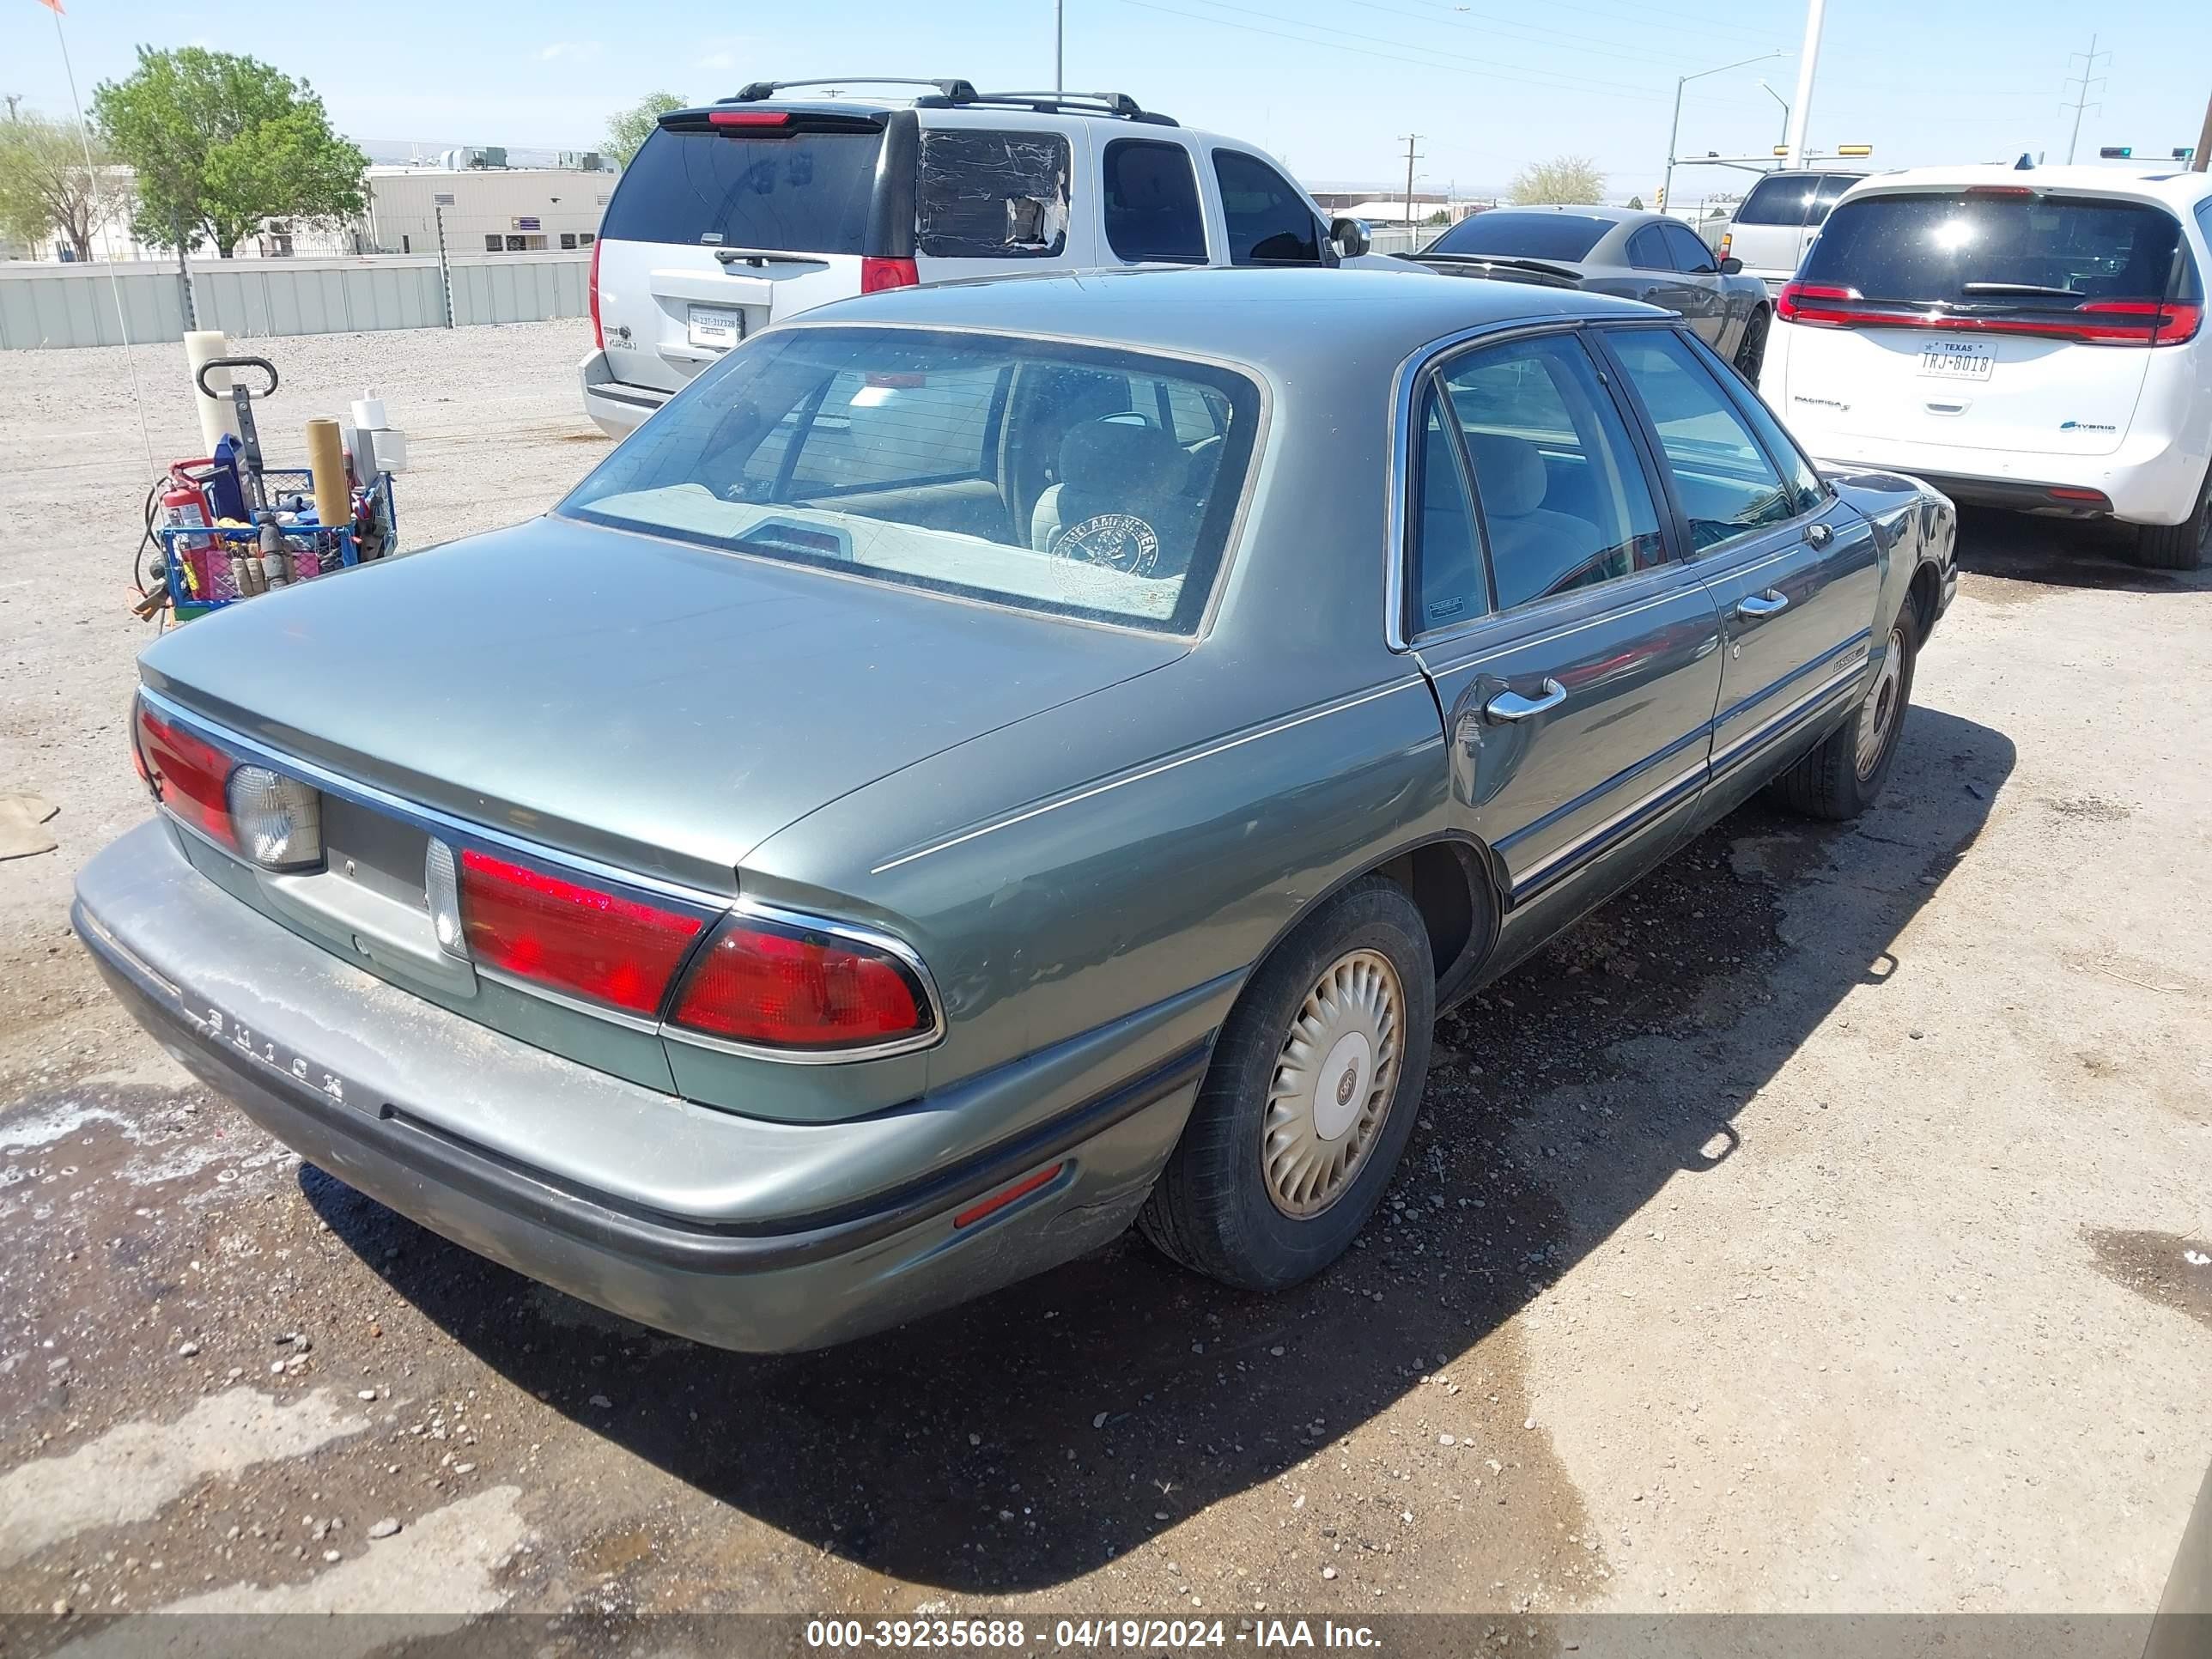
(486, 209)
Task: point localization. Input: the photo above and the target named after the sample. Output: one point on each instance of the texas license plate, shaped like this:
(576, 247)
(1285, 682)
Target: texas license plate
(716, 328)
(1958, 360)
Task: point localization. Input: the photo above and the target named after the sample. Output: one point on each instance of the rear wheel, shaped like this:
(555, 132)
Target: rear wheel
(2179, 546)
(1841, 778)
(1309, 1099)
(1751, 350)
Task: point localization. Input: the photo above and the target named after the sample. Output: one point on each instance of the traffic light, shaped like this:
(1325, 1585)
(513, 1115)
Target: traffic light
(2117, 152)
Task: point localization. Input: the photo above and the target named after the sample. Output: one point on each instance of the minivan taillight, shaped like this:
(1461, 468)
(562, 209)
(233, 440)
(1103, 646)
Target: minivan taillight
(786, 986)
(2099, 322)
(879, 274)
(1818, 304)
(190, 776)
(579, 940)
(599, 334)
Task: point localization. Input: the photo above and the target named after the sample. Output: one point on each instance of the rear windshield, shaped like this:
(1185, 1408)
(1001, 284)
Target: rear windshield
(1995, 251)
(1522, 236)
(803, 193)
(1079, 482)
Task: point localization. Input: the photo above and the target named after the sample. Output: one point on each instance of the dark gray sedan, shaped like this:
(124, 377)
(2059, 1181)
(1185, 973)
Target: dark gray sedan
(1620, 251)
(987, 764)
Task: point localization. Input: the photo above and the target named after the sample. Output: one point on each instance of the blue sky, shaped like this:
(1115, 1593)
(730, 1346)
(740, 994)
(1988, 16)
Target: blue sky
(1330, 85)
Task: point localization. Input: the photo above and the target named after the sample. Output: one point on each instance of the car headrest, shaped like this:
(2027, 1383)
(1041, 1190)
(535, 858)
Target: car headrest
(1509, 471)
(1121, 458)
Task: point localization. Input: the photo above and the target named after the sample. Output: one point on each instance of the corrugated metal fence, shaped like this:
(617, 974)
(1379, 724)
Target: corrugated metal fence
(74, 305)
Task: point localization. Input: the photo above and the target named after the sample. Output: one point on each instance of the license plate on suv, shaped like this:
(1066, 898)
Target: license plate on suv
(1958, 360)
(717, 328)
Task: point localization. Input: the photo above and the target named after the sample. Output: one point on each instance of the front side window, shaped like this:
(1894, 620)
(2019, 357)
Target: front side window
(1153, 213)
(991, 194)
(1268, 222)
(1073, 481)
(1690, 254)
(1562, 495)
(1724, 480)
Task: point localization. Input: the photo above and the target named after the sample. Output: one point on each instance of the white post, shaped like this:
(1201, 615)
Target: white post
(1801, 108)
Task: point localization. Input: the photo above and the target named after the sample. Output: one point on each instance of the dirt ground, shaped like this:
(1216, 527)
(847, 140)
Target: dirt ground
(1822, 1226)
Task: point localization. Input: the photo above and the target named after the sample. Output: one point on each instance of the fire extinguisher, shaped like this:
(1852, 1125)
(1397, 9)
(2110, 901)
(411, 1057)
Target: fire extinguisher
(185, 506)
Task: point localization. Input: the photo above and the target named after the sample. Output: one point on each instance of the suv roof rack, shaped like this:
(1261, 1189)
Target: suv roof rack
(1119, 103)
(754, 92)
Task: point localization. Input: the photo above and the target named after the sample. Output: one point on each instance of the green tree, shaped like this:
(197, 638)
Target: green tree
(629, 129)
(1571, 179)
(222, 143)
(47, 189)
(1637, 203)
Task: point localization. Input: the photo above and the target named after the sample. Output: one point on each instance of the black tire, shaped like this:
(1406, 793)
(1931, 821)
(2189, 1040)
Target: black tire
(1751, 350)
(1830, 783)
(2179, 546)
(1212, 1209)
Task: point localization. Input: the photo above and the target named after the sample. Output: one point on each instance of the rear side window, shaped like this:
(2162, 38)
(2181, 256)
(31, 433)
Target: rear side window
(800, 191)
(1778, 200)
(1647, 252)
(987, 194)
(2033, 251)
(1151, 204)
(1523, 235)
(1825, 196)
(1269, 222)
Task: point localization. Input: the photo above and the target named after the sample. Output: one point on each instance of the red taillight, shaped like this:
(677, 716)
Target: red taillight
(190, 775)
(748, 117)
(599, 334)
(2100, 322)
(1813, 302)
(877, 275)
(795, 988)
(579, 940)
(2150, 322)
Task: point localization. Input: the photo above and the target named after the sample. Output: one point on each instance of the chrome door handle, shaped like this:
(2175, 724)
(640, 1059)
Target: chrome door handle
(1754, 606)
(1512, 706)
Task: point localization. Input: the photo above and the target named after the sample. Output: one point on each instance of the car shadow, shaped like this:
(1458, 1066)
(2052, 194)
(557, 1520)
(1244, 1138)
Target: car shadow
(2019, 547)
(1022, 1441)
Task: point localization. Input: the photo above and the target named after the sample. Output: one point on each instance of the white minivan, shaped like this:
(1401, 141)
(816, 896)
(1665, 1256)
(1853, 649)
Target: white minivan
(737, 214)
(2031, 339)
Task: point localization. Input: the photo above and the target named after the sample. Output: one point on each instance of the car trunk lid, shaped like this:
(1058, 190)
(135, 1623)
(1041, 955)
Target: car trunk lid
(659, 707)
(1997, 318)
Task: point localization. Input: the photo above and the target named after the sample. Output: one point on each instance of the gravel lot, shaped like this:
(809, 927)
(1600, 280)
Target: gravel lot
(1823, 1225)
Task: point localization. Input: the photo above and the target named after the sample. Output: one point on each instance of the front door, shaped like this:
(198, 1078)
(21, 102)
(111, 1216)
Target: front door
(1795, 572)
(1576, 660)
(1705, 305)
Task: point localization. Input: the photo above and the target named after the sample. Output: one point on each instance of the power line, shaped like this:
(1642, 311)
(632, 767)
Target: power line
(2082, 102)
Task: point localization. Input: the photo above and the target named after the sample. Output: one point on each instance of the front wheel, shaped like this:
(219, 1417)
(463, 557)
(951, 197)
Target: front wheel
(1309, 1099)
(1841, 778)
(2179, 546)
(1751, 350)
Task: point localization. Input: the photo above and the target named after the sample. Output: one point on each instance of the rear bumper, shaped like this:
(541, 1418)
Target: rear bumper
(615, 407)
(354, 1075)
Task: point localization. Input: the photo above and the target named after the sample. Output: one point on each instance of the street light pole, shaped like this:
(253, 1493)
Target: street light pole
(1808, 59)
(1060, 45)
(1785, 102)
(1674, 131)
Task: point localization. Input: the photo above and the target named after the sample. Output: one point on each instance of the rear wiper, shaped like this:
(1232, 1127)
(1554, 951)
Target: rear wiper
(762, 256)
(2018, 287)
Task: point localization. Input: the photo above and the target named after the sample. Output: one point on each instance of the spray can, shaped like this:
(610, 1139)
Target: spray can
(274, 571)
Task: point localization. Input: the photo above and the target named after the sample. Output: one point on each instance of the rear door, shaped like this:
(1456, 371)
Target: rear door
(1651, 274)
(730, 218)
(1576, 660)
(1794, 572)
(1004, 193)
(2004, 319)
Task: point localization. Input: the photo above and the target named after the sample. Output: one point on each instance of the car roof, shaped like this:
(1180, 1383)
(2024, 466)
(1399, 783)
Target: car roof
(2169, 185)
(1272, 319)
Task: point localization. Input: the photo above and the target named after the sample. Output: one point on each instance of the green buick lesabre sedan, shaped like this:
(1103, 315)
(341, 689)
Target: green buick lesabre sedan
(988, 764)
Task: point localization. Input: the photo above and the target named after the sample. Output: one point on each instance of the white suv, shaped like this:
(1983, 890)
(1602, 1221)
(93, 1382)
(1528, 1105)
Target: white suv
(1777, 220)
(751, 210)
(2031, 338)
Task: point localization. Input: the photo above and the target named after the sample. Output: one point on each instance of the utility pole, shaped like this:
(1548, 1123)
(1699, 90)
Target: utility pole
(2082, 101)
(1801, 109)
(2203, 142)
(1060, 45)
(445, 271)
(14, 99)
(1411, 157)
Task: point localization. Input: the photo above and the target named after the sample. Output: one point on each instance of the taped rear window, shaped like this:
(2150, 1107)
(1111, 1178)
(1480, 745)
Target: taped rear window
(992, 194)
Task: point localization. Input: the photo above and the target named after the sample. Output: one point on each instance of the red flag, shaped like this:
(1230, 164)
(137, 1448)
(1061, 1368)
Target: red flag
(54, 6)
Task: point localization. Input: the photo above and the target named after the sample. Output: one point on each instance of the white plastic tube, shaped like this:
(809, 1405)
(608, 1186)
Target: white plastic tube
(216, 416)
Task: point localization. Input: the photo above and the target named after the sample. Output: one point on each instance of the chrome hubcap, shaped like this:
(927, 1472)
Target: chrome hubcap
(1878, 717)
(1333, 1081)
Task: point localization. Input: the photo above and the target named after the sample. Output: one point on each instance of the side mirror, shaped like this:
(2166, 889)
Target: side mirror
(1350, 237)
(1731, 266)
